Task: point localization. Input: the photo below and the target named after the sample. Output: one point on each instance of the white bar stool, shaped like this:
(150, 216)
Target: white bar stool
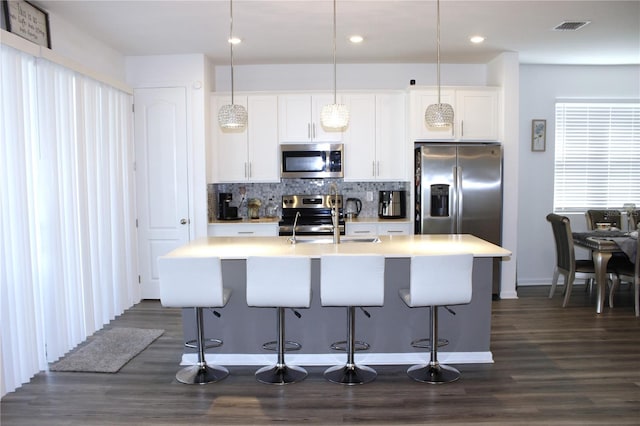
(194, 282)
(279, 282)
(437, 280)
(351, 281)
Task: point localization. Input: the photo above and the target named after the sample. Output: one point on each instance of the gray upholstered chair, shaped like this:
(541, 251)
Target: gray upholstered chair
(279, 282)
(629, 271)
(194, 282)
(437, 280)
(566, 263)
(614, 217)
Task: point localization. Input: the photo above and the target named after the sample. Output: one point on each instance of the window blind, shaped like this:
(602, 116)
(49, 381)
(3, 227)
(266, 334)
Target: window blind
(597, 156)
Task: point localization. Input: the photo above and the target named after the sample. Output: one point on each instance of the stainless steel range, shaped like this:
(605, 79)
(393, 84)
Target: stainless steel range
(315, 214)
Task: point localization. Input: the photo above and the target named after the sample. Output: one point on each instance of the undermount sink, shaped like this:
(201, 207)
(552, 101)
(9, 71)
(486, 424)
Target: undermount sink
(329, 240)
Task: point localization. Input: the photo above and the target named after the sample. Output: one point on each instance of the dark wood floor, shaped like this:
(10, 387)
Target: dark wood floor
(552, 366)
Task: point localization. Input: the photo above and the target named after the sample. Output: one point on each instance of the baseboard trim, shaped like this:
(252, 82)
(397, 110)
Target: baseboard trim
(338, 358)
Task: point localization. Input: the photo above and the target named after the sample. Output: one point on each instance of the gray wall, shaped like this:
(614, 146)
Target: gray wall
(540, 87)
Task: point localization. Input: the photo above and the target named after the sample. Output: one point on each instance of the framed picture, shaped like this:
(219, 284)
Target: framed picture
(538, 135)
(27, 21)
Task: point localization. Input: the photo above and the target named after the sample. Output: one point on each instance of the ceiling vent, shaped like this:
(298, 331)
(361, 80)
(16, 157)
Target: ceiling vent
(571, 25)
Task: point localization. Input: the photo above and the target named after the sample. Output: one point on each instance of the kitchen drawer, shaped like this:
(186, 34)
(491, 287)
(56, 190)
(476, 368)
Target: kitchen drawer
(361, 229)
(243, 230)
(399, 228)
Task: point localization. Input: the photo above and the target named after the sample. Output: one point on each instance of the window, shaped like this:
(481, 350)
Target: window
(597, 163)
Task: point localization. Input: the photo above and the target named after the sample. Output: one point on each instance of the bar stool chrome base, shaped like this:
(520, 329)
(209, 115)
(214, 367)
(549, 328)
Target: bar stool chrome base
(280, 374)
(201, 374)
(433, 373)
(350, 374)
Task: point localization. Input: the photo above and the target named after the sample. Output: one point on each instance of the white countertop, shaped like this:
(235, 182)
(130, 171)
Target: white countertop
(389, 246)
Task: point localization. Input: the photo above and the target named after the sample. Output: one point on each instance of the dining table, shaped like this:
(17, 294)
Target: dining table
(603, 244)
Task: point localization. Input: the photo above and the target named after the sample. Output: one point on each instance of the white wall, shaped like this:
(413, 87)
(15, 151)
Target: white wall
(349, 76)
(540, 87)
(70, 42)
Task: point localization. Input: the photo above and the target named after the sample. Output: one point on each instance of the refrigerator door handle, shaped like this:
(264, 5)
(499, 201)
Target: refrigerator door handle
(458, 198)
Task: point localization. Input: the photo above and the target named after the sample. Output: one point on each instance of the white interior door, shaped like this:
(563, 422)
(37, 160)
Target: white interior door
(161, 179)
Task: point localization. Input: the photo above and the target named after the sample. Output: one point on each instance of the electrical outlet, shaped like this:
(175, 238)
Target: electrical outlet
(369, 196)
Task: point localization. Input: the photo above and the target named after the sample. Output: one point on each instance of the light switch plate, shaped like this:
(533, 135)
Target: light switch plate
(369, 196)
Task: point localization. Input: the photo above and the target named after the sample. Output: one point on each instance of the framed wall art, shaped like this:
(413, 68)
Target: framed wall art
(538, 135)
(28, 21)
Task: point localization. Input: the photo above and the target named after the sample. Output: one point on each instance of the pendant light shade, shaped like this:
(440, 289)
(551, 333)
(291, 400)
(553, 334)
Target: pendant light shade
(232, 116)
(439, 115)
(334, 116)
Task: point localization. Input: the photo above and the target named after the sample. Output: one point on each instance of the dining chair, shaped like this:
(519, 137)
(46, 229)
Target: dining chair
(614, 217)
(634, 220)
(629, 272)
(566, 263)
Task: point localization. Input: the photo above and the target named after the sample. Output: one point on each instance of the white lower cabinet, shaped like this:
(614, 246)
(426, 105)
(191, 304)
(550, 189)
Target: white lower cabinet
(370, 229)
(243, 229)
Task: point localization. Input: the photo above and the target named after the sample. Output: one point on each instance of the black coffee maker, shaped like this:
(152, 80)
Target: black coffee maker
(225, 211)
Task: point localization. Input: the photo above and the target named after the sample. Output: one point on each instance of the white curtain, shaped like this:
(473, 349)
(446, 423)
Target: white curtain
(22, 333)
(78, 213)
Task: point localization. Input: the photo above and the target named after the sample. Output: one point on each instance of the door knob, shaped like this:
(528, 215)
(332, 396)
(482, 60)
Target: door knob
(183, 221)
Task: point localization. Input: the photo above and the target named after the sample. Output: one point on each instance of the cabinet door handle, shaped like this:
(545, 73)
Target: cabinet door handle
(245, 232)
(394, 231)
(362, 232)
(313, 134)
(308, 130)
(183, 221)
(249, 176)
(378, 171)
(373, 170)
(461, 128)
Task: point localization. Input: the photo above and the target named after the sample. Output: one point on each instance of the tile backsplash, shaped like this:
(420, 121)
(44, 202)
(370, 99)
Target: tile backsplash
(265, 191)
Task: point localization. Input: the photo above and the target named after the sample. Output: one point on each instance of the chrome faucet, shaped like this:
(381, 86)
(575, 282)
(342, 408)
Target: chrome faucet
(335, 213)
(295, 225)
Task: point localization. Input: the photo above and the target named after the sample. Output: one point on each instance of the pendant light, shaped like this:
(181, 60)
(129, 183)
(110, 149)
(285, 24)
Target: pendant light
(334, 116)
(232, 116)
(439, 115)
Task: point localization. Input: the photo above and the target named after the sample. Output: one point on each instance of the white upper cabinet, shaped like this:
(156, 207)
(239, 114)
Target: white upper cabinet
(375, 139)
(419, 101)
(475, 114)
(392, 150)
(251, 154)
(299, 119)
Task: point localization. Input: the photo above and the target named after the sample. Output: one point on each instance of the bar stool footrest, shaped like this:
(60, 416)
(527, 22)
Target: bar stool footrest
(208, 343)
(289, 346)
(342, 346)
(425, 343)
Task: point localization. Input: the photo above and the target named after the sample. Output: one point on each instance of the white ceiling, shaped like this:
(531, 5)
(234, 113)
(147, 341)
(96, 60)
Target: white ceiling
(400, 31)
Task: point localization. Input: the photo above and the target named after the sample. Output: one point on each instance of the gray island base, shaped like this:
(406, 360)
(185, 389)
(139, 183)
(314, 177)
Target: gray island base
(389, 330)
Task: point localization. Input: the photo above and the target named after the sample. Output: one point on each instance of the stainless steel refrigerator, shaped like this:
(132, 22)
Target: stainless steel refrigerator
(458, 190)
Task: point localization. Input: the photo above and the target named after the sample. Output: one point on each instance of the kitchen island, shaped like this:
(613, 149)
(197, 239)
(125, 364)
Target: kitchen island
(388, 331)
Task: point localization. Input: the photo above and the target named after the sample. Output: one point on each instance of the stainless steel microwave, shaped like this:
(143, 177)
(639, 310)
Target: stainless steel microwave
(324, 160)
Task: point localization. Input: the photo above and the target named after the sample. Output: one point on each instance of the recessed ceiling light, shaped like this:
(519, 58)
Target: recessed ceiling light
(234, 40)
(356, 39)
(476, 39)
